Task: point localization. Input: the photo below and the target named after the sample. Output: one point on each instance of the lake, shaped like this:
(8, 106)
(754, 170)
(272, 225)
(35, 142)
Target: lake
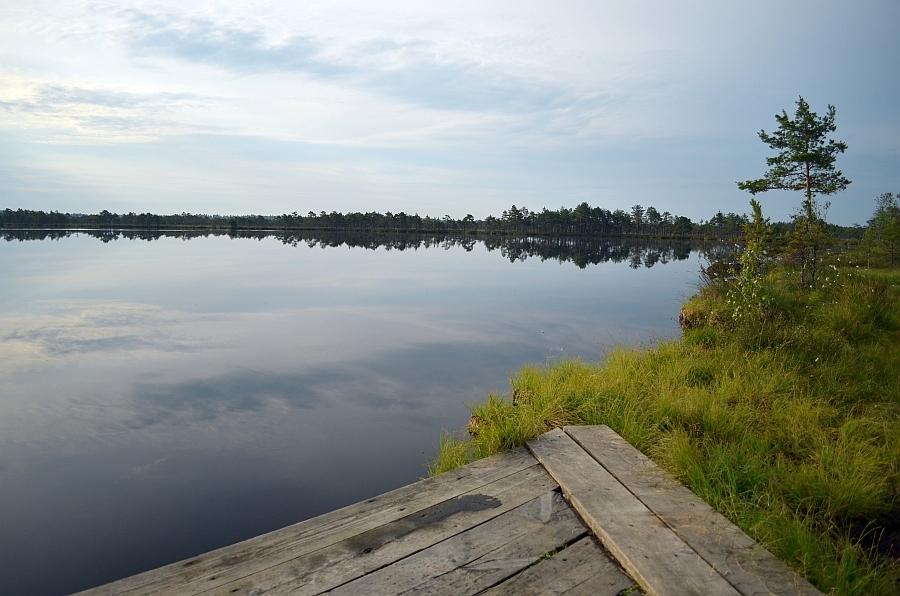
(162, 398)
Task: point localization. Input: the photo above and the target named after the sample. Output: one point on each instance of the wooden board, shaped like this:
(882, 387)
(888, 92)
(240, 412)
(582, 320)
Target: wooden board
(221, 566)
(581, 568)
(747, 566)
(501, 525)
(356, 556)
(650, 551)
(480, 557)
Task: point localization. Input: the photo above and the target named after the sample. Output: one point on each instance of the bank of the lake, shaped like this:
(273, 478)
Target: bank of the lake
(785, 419)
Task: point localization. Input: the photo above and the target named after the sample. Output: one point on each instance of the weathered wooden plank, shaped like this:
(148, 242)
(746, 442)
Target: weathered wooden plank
(582, 568)
(746, 565)
(481, 556)
(232, 562)
(649, 550)
(354, 557)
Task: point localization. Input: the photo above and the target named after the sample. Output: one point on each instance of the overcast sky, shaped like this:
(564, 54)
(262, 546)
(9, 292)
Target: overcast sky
(434, 107)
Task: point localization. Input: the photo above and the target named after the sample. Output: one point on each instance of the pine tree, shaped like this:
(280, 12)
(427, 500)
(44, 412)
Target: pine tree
(804, 162)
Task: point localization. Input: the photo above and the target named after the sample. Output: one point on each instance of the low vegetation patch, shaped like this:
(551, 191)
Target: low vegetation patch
(780, 407)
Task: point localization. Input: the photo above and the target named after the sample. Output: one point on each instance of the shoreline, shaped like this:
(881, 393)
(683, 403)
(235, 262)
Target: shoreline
(796, 445)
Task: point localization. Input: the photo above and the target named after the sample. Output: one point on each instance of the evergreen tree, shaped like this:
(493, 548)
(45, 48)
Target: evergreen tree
(804, 162)
(883, 233)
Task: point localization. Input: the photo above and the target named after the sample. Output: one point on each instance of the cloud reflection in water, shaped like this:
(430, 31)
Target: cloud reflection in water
(169, 388)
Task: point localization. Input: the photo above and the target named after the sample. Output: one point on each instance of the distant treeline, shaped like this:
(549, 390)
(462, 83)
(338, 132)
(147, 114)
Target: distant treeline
(580, 250)
(583, 220)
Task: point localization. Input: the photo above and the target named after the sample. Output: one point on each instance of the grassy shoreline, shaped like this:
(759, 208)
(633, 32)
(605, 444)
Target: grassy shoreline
(784, 417)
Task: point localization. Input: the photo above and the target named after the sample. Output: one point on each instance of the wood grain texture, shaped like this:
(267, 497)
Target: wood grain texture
(581, 568)
(650, 551)
(369, 551)
(747, 566)
(497, 525)
(480, 557)
(206, 571)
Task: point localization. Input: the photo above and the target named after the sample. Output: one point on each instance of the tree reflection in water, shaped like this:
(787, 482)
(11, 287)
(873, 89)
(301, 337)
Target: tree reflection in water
(580, 250)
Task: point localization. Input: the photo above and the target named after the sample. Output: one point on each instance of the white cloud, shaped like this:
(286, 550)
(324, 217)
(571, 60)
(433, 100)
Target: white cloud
(76, 114)
(449, 80)
(480, 82)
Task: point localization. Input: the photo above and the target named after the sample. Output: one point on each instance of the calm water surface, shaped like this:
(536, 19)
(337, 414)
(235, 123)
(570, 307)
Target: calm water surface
(161, 399)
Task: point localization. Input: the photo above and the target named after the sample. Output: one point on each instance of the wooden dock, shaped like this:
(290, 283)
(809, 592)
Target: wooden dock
(580, 511)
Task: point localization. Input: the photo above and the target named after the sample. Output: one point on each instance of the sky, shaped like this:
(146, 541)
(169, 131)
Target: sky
(269, 106)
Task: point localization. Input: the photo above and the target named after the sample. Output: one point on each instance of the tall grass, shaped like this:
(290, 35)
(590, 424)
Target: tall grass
(787, 422)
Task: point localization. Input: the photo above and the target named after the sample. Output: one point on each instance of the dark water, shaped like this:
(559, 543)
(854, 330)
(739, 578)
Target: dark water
(161, 399)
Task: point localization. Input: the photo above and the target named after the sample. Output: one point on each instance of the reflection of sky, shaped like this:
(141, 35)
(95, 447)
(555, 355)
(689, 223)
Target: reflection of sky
(172, 387)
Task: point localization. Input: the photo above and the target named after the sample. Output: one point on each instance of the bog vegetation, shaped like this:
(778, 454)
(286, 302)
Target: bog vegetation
(780, 405)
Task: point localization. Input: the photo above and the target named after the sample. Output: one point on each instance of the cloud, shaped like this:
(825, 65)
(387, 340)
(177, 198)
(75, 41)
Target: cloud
(57, 343)
(407, 381)
(97, 112)
(144, 469)
(382, 86)
(423, 79)
(81, 330)
(206, 399)
(48, 97)
(509, 99)
(412, 71)
(203, 40)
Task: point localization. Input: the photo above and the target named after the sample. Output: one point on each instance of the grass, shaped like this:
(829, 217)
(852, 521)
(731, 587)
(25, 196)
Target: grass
(786, 420)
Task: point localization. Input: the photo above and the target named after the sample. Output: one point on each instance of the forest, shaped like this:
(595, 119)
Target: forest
(583, 220)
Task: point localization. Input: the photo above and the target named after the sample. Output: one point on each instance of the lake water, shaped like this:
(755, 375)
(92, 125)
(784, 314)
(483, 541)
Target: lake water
(161, 399)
